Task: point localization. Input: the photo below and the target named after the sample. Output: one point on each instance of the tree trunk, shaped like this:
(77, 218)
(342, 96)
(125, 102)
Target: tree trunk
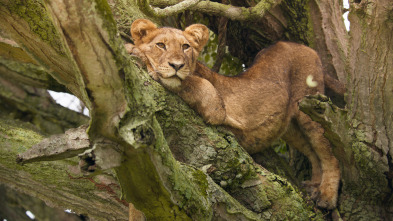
(370, 105)
(146, 147)
(362, 60)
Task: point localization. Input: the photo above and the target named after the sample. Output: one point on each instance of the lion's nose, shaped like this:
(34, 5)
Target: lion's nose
(176, 66)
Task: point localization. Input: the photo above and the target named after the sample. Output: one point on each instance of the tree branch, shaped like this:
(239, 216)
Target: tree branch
(17, 65)
(167, 11)
(14, 204)
(29, 74)
(42, 42)
(57, 147)
(212, 8)
(38, 105)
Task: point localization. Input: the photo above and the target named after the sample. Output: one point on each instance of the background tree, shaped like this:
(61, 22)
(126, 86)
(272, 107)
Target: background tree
(145, 146)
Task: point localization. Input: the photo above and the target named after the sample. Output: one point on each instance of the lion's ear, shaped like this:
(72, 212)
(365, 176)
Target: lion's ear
(197, 35)
(140, 28)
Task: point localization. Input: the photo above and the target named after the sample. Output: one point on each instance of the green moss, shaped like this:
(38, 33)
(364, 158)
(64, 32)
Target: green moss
(14, 53)
(234, 171)
(285, 197)
(369, 170)
(201, 180)
(299, 28)
(192, 186)
(188, 186)
(36, 16)
(10, 135)
(105, 11)
(153, 202)
(36, 72)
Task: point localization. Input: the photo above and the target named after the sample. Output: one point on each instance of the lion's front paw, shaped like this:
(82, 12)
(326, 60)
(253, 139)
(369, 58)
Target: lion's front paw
(139, 57)
(135, 51)
(129, 48)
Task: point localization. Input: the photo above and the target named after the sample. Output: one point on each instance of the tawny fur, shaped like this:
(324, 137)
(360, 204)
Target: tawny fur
(259, 105)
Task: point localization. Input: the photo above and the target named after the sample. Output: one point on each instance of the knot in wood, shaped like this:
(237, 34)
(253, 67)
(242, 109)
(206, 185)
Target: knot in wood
(143, 134)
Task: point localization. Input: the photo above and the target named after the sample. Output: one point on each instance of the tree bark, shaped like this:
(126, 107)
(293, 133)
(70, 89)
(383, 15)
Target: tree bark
(370, 103)
(362, 60)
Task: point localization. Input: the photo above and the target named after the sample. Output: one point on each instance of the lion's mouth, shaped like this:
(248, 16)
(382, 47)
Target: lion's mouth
(173, 76)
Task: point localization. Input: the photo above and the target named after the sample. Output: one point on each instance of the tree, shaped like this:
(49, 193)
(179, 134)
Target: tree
(144, 146)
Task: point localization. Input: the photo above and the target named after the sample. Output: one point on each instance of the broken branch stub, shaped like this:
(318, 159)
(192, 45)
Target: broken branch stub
(61, 146)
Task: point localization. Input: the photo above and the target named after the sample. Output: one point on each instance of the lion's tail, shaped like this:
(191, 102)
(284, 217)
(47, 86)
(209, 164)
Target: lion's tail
(335, 85)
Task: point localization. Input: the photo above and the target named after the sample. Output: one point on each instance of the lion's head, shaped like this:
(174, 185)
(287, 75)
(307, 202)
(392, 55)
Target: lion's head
(171, 53)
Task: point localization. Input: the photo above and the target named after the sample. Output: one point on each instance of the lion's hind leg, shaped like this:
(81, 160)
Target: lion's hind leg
(328, 189)
(296, 139)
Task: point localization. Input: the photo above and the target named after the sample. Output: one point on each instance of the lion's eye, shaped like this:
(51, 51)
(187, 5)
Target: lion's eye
(161, 45)
(185, 46)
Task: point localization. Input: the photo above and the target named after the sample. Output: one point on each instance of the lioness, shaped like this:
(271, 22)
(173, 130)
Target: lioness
(259, 105)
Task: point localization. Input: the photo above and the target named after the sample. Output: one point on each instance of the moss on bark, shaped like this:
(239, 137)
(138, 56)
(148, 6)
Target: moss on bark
(299, 28)
(34, 13)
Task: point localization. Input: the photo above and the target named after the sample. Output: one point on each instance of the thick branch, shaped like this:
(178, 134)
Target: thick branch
(29, 25)
(36, 104)
(17, 65)
(90, 37)
(216, 152)
(14, 204)
(29, 74)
